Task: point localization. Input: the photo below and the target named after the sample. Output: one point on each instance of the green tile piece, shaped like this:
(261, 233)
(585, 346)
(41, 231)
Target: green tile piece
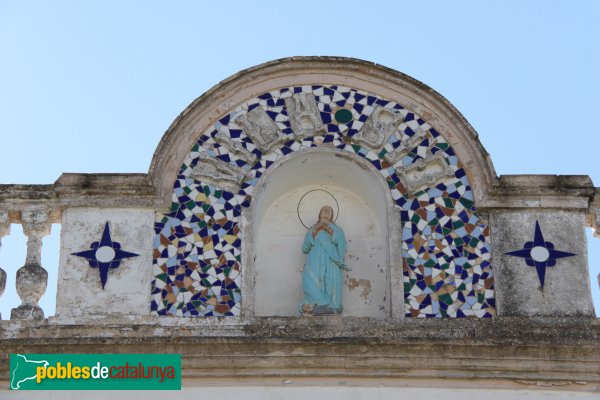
(343, 116)
(446, 298)
(466, 202)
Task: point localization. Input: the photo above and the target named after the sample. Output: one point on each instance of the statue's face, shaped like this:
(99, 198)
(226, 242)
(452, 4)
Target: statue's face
(326, 214)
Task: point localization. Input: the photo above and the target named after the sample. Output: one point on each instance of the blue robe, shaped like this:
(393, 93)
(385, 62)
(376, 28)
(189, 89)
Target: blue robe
(322, 279)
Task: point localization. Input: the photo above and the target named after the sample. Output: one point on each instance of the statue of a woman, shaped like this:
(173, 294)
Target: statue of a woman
(322, 278)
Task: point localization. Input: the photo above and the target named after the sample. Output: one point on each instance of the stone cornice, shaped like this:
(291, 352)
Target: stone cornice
(78, 190)
(572, 192)
(524, 349)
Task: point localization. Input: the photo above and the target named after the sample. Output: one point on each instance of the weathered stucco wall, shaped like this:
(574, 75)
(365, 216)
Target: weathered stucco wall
(518, 289)
(127, 291)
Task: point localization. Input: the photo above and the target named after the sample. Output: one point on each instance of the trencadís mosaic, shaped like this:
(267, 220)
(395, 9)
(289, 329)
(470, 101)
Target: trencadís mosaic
(445, 244)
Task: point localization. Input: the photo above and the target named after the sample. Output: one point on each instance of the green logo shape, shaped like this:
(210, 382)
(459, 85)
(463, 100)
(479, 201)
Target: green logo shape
(95, 372)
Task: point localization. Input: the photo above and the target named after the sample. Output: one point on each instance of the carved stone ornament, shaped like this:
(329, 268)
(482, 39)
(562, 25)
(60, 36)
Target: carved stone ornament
(426, 172)
(261, 128)
(381, 124)
(405, 147)
(32, 278)
(304, 114)
(4, 230)
(236, 148)
(218, 172)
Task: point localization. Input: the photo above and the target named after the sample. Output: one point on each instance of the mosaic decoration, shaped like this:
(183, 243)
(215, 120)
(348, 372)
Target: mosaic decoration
(445, 244)
(540, 254)
(105, 255)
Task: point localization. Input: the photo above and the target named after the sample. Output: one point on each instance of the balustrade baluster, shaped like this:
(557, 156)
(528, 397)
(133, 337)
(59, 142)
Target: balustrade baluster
(32, 278)
(4, 231)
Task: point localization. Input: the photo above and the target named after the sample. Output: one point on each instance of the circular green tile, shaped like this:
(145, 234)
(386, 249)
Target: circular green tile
(343, 116)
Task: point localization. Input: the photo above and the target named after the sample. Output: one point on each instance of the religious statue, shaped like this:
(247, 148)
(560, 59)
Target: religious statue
(322, 278)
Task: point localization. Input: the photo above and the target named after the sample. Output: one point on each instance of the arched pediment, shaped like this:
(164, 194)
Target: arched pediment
(364, 76)
(211, 162)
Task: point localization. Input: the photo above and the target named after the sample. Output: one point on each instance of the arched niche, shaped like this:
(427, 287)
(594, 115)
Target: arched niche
(274, 262)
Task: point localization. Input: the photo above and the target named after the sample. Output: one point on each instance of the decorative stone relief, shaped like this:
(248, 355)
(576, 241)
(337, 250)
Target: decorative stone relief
(378, 128)
(426, 172)
(235, 148)
(405, 147)
(219, 173)
(261, 128)
(304, 114)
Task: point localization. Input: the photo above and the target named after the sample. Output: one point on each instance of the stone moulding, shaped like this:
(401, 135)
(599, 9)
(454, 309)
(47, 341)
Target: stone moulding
(492, 354)
(567, 192)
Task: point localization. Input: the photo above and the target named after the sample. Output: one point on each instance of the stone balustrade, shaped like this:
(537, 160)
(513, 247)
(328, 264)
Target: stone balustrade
(37, 207)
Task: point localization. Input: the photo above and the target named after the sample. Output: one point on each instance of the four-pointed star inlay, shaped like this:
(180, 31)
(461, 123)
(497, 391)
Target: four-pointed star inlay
(540, 254)
(105, 255)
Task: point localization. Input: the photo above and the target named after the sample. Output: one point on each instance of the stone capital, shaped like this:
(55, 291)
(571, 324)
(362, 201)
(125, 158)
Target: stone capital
(36, 223)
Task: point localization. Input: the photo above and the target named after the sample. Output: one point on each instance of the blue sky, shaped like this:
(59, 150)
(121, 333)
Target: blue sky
(91, 86)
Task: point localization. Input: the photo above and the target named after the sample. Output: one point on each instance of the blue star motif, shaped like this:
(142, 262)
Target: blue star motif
(105, 255)
(540, 254)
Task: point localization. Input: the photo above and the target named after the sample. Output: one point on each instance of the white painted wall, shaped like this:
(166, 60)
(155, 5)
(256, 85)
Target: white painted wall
(278, 234)
(127, 289)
